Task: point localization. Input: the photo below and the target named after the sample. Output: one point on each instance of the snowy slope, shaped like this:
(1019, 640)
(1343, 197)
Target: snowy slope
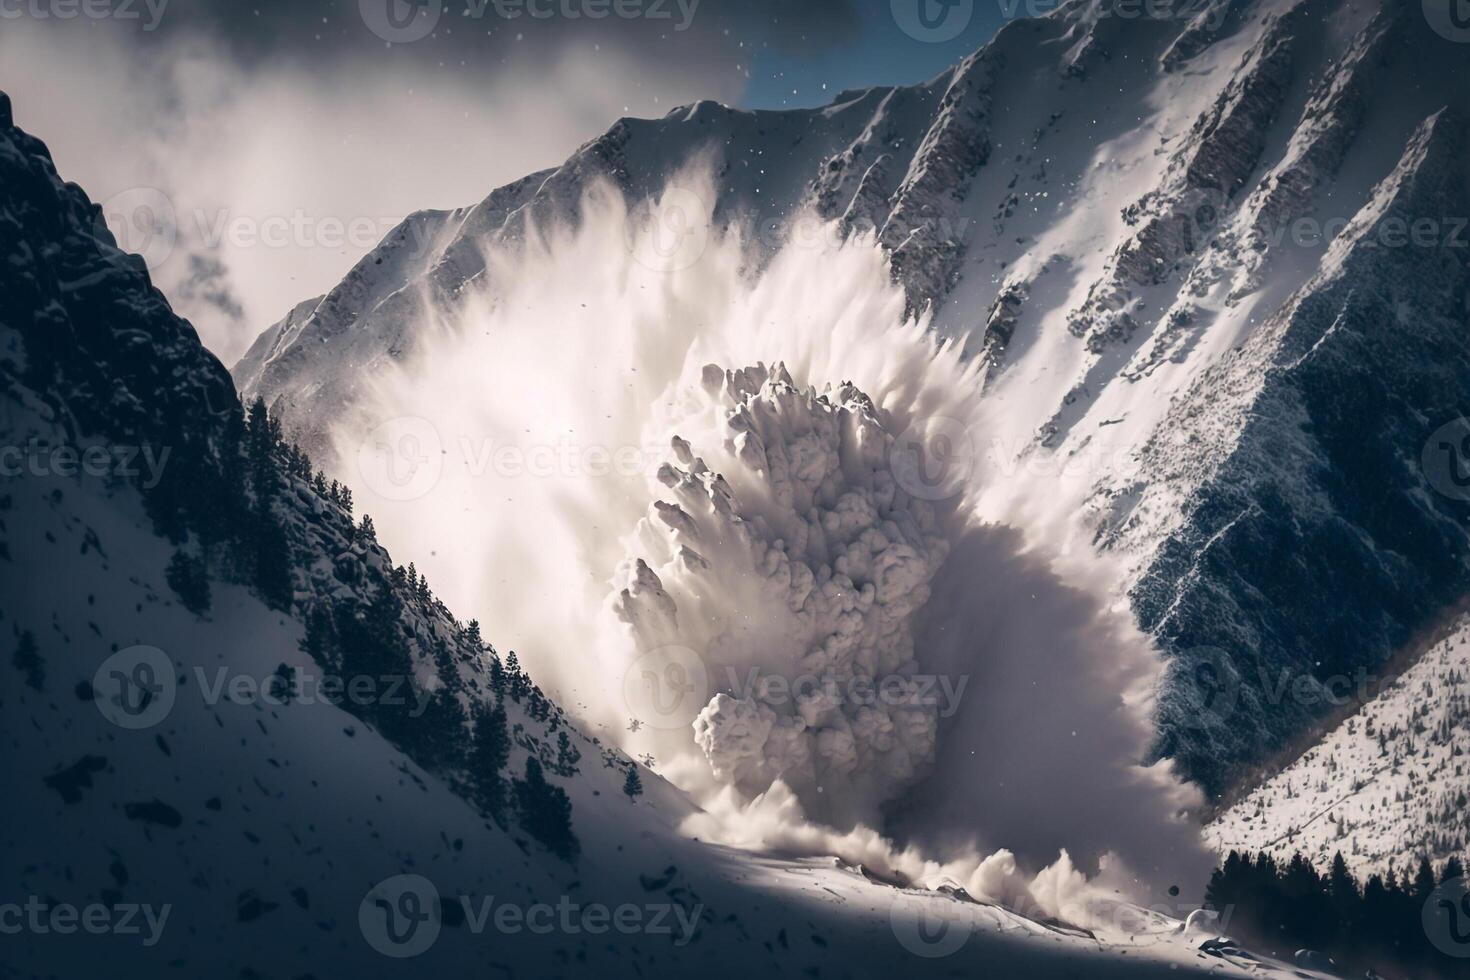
(1387, 786)
(263, 827)
(1178, 241)
(264, 837)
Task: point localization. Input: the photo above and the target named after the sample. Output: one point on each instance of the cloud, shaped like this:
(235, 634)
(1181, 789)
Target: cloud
(281, 156)
(636, 524)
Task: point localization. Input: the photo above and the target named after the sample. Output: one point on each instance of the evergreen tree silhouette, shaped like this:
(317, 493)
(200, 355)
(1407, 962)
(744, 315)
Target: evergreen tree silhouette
(489, 755)
(545, 812)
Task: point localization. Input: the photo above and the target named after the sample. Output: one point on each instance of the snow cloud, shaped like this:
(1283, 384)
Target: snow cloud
(752, 554)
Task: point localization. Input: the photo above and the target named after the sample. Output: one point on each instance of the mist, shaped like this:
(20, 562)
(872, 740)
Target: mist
(668, 467)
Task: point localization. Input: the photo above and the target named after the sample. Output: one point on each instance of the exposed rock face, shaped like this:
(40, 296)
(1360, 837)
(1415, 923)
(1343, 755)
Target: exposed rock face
(919, 234)
(83, 327)
(1107, 210)
(91, 354)
(1200, 32)
(1205, 173)
(1314, 541)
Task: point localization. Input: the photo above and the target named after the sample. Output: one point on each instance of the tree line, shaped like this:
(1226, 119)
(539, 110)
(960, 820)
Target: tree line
(1396, 925)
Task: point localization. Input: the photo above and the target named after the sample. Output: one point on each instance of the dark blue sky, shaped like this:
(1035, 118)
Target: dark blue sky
(793, 73)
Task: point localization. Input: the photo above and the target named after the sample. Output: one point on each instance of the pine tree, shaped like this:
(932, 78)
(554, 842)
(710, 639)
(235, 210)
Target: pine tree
(632, 785)
(320, 642)
(435, 725)
(189, 580)
(567, 756)
(497, 675)
(489, 754)
(519, 685)
(1424, 881)
(272, 553)
(545, 812)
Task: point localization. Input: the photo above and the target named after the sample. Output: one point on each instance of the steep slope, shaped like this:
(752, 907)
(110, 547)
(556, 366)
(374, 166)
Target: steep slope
(1145, 225)
(1386, 787)
(184, 772)
(1318, 500)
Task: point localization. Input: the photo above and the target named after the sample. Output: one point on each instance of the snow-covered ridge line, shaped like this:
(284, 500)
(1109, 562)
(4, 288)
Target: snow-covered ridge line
(1001, 188)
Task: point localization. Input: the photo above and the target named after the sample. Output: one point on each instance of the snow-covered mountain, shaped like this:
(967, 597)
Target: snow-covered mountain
(191, 795)
(1216, 257)
(1386, 787)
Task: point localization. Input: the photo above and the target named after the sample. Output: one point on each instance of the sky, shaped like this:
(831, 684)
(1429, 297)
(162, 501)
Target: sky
(252, 151)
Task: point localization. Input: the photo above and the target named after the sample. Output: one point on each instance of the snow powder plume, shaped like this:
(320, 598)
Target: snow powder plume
(713, 496)
(783, 562)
